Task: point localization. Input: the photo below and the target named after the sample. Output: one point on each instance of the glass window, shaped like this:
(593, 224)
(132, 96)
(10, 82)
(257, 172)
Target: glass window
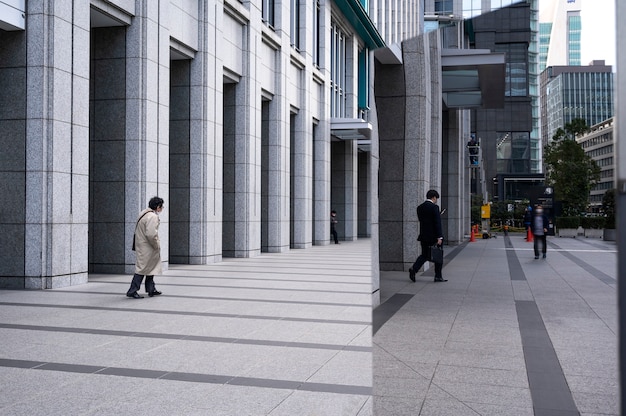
(513, 152)
(516, 77)
(316, 33)
(295, 23)
(363, 82)
(574, 26)
(337, 72)
(443, 7)
(268, 12)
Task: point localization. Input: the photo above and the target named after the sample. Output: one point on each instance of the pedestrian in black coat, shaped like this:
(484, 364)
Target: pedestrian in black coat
(431, 233)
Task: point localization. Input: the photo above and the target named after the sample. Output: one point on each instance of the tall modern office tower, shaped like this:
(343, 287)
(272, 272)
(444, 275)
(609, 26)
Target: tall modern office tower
(569, 92)
(559, 33)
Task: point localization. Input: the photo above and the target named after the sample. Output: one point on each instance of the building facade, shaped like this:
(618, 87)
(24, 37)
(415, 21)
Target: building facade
(252, 120)
(570, 92)
(599, 144)
(560, 30)
(507, 135)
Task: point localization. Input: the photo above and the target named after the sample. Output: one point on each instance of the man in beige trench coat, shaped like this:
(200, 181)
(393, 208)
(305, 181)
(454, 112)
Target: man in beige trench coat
(147, 249)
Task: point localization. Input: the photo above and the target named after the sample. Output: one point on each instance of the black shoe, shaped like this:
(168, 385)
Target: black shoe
(440, 279)
(544, 255)
(134, 295)
(412, 274)
(154, 293)
(536, 257)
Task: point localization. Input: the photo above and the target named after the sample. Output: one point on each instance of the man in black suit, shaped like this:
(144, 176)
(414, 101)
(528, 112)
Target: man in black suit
(430, 233)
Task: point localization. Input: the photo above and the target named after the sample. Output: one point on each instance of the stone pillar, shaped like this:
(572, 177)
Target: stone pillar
(408, 99)
(364, 202)
(321, 183)
(205, 145)
(301, 181)
(278, 163)
(454, 176)
(243, 234)
(44, 131)
(422, 155)
(147, 120)
(374, 186)
(344, 188)
(391, 108)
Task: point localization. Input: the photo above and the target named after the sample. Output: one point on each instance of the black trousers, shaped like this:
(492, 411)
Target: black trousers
(334, 233)
(423, 258)
(135, 284)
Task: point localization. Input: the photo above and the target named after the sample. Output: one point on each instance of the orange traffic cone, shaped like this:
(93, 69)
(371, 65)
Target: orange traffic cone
(472, 238)
(529, 235)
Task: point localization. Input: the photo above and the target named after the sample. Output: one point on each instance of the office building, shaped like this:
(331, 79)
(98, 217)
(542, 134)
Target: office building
(599, 144)
(251, 119)
(570, 92)
(560, 30)
(507, 135)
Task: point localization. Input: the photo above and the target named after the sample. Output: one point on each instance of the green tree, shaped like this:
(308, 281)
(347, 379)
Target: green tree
(608, 208)
(569, 170)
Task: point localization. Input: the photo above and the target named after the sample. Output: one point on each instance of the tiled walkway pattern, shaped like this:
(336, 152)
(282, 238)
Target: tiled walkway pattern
(506, 335)
(282, 334)
(290, 334)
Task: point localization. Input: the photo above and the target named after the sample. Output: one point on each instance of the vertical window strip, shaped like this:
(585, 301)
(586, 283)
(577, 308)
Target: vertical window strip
(316, 34)
(295, 23)
(338, 72)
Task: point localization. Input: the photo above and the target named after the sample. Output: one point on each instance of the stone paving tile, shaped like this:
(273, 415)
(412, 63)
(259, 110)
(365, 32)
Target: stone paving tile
(285, 341)
(302, 403)
(477, 358)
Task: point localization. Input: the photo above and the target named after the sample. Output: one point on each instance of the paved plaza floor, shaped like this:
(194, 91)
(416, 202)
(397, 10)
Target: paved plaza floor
(506, 335)
(280, 334)
(290, 334)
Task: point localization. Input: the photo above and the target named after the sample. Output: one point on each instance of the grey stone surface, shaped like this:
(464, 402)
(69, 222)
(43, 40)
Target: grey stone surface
(466, 334)
(218, 376)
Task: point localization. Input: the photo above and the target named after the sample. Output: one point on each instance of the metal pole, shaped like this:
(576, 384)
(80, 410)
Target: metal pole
(620, 158)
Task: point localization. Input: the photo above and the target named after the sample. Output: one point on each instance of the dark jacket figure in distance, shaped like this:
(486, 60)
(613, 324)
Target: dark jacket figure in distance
(528, 217)
(147, 249)
(431, 233)
(472, 146)
(540, 227)
(333, 222)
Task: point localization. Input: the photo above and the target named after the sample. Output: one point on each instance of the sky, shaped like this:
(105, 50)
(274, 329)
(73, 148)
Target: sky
(598, 31)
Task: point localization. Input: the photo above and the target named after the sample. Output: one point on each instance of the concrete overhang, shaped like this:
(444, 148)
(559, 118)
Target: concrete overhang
(391, 55)
(472, 78)
(352, 129)
(13, 15)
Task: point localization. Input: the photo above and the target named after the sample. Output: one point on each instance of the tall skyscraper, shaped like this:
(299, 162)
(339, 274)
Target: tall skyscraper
(559, 33)
(569, 92)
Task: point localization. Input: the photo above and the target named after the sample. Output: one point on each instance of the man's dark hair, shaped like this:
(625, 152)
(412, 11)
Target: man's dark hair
(155, 202)
(432, 194)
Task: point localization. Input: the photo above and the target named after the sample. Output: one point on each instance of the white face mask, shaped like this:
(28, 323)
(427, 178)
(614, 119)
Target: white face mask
(539, 211)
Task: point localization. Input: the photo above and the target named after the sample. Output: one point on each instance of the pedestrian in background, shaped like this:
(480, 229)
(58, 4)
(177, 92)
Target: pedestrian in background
(333, 222)
(540, 229)
(147, 249)
(431, 233)
(528, 217)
